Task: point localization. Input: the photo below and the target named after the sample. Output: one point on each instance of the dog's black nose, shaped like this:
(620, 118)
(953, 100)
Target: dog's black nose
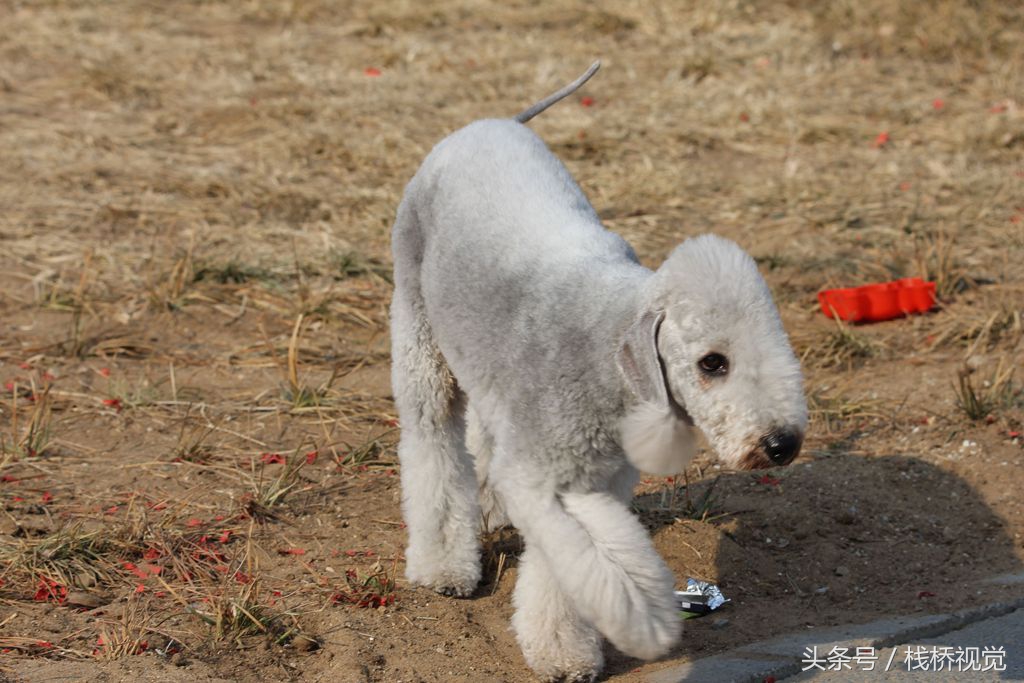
(782, 445)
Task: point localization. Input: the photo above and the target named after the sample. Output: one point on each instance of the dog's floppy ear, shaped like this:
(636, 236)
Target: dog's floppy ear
(657, 433)
(639, 360)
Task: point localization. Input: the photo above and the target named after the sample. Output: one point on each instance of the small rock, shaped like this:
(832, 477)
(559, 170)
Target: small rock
(86, 599)
(29, 527)
(305, 643)
(112, 611)
(85, 580)
(842, 570)
(822, 590)
(846, 517)
(719, 624)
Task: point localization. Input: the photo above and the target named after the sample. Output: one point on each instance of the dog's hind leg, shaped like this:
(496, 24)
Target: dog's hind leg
(557, 643)
(480, 444)
(438, 483)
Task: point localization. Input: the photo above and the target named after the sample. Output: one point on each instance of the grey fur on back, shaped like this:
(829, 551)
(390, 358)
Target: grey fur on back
(550, 290)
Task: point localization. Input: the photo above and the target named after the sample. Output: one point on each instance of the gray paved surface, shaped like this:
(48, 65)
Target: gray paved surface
(1006, 631)
(989, 626)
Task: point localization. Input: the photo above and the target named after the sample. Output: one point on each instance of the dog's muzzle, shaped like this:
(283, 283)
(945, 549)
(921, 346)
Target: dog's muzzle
(777, 447)
(781, 445)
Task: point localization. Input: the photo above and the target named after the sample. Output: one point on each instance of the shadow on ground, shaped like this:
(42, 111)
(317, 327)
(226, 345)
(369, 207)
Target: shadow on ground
(838, 540)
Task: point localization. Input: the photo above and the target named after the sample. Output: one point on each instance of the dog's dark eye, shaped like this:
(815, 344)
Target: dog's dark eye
(714, 364)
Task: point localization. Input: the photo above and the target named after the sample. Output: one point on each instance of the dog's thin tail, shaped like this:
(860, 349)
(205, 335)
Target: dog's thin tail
(551, 99)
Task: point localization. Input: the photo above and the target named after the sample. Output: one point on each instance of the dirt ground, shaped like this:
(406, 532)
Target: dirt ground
(197, 440)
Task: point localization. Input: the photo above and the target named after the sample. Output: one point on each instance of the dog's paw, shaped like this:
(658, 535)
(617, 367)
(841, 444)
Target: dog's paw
(463, 591)
(557, 645)
(453, 587)
(563, 671)
(574, 677)
(454, 574)
(649, 633)
(453, 582)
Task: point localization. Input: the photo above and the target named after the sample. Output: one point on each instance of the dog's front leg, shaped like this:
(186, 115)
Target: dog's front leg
(556, 641)
(601, 558)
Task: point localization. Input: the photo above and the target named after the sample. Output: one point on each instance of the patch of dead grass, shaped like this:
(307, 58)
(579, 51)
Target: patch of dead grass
(979, 398)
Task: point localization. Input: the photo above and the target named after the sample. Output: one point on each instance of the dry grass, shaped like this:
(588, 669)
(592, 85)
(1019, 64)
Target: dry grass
(30, 437)
(267, 491)
(832, 411)
(998, 392)
(983, 30)
(193, 442)
(68, 558)
(675, 499)
(980, 329)
(842, 347)
(374, 588)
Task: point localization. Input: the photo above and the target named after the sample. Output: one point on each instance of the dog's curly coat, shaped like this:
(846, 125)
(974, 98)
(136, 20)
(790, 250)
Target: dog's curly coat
(537, 366)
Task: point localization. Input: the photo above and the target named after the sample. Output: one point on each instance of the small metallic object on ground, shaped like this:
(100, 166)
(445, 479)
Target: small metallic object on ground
(699, 598)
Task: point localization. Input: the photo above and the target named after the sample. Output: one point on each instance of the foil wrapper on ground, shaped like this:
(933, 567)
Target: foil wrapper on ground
(699, 598)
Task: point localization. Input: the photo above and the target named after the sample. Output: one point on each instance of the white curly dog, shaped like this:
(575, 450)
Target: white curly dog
(537, 366)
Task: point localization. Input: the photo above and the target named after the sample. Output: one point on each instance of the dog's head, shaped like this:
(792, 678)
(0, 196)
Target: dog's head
(709, 351)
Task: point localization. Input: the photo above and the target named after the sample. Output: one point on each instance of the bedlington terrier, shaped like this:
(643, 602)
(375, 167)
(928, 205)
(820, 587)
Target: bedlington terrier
(533, 353)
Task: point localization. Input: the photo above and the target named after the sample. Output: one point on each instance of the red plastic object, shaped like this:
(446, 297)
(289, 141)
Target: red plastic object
(872, 303)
